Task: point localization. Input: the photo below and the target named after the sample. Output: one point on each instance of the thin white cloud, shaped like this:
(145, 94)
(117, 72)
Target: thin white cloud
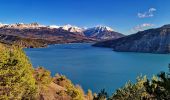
(152, 9)
(149, 13)
(142, 27)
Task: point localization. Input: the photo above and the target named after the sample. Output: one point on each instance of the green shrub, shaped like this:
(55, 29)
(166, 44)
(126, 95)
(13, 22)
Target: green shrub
(131, 91)
(42, 76)
(159, 87)
(63, 81)
(76, 92)
(16, 75)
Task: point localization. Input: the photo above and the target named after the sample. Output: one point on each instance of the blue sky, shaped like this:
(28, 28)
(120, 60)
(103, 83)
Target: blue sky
(126, 16)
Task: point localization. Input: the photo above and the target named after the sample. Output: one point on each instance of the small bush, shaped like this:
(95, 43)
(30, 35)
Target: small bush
(76, 92)
(42, 76)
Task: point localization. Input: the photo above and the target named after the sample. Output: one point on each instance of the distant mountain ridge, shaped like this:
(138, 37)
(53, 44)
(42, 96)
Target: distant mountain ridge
(35, 35)
(52, 34)
(98, 32)
(150, 41)
(22, 26)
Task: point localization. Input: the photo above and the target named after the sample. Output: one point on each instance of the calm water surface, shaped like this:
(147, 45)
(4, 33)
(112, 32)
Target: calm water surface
(97, 68)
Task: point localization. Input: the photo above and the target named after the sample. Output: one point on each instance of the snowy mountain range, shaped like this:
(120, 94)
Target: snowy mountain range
(98, 32)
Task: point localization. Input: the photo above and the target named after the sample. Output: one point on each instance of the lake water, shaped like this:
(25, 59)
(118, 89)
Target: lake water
(97, 68)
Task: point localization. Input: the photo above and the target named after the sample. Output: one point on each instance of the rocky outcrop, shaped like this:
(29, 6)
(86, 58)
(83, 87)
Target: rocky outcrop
(148, 41)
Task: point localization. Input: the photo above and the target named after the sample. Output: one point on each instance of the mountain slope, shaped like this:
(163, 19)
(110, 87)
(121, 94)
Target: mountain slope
(149, 41)
(23, 42)
(38, 34)
(102, 33)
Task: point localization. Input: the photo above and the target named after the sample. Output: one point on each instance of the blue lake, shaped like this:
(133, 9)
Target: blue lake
(97, 68)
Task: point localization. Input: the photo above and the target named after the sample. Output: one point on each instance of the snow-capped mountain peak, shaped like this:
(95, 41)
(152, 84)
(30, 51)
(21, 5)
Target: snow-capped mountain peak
(2, 25)
(54, 26)
(22, 26)
(102, 32)
(67, 27)
(103, 28)
(71, 28)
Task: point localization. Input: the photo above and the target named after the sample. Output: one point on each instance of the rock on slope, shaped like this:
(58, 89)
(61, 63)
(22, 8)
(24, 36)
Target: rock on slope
(148, 41)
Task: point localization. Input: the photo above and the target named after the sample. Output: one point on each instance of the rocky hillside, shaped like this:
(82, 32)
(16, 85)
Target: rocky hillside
(149, 41)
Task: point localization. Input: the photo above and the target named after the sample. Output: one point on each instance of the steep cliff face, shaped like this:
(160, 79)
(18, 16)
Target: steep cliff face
(149, 41)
